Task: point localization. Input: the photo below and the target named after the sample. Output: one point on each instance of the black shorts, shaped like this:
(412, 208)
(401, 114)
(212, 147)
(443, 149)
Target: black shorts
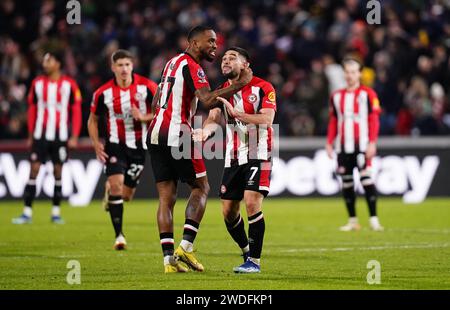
(124, 160)
(252, 176)
(42, 149)
(165, 167)
(348, 162)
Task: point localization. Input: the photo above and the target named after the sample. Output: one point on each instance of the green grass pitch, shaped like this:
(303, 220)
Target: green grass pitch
(303, 248)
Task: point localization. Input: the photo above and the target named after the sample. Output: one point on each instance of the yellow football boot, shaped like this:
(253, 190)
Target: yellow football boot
(189, 259)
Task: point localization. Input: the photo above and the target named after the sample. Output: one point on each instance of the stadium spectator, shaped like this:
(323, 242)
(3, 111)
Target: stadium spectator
(287, 38)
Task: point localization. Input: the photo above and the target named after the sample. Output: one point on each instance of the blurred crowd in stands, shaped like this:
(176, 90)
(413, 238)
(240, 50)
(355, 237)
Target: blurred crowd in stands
(295, 44)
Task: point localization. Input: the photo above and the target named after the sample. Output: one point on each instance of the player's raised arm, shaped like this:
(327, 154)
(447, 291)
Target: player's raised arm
(264, 117)
(209, 97)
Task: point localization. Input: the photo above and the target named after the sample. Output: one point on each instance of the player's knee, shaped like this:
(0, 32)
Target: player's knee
(57, 171)
(167, 200)
(115, 188)
(203, 188)
(229, 214)
(253, 206)
(34, 171)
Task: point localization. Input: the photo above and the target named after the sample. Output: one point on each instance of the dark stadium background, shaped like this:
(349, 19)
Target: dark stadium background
(294, 44)
(297, 45)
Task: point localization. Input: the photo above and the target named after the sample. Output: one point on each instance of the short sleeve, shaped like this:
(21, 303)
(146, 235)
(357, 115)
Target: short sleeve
(269, 97)
(374, 102)
(195, 76)
(97, 103)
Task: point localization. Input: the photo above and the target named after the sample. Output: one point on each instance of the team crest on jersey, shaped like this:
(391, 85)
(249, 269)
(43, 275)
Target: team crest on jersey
(252, 98)
(138, 97)
(113, 160)
(223, 189)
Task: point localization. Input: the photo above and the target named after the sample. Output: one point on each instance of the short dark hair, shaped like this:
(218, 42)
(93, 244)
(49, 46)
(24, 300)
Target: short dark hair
(241, 51)
(350, 59)
(120, 54)
(57, 55)
(196, 31)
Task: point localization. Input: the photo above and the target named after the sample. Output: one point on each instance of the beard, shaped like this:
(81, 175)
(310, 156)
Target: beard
(205, 55)
(231, 75)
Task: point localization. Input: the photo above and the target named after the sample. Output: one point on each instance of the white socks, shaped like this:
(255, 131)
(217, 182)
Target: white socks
(353, 220)
(257, 261)
(28, 211)
(187, 246)
(56, 211)
(374, 222)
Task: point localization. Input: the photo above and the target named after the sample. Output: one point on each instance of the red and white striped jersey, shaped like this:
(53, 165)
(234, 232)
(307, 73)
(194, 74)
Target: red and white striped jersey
(115, 103)
(354, 119)
(50, 102)
(177, 103)
(249, 141)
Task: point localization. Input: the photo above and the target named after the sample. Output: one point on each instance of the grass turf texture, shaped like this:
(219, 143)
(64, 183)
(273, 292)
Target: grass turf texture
(303, 248)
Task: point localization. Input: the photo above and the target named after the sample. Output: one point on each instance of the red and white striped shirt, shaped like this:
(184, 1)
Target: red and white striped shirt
(49, 104)
(177, 103)
(354, 119)
(115, 103)
(250, 141)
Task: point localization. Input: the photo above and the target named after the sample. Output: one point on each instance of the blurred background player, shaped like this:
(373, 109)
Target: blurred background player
(353, 127)
(183, 83)
(125, 101)
(249, 134)
(53, 100)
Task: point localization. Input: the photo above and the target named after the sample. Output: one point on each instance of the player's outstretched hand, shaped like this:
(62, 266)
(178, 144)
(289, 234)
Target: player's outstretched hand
(245, 77)
(100, 152)
(72, 143)
(137, 115)
(230, 108)
(200, 134)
